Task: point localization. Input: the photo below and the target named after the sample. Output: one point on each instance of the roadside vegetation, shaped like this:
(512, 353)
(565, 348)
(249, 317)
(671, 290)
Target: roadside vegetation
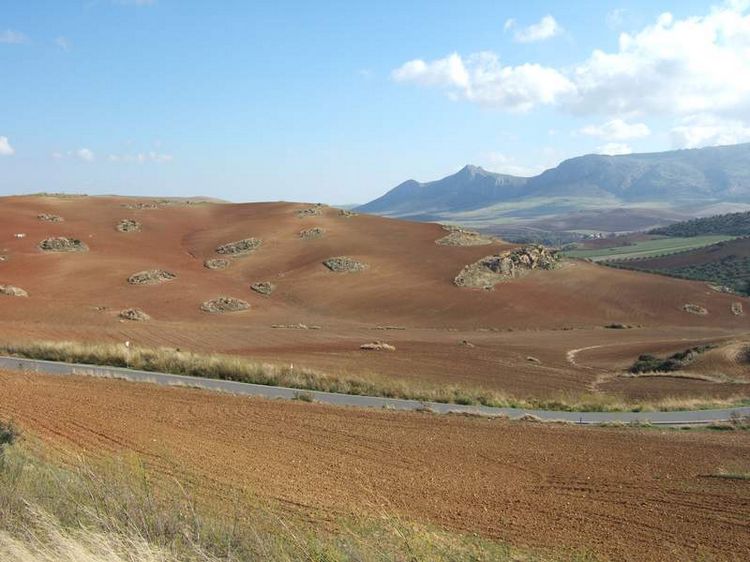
(241, 369)
(114, 509)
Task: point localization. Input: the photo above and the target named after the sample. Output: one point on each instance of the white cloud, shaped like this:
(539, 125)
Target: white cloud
(616, 18)
(63, 43)
(674, 67)
(614, 148)
(510, 23)
(449, 71)
(504, 164)
(5, 148)
(141, 157)
(706, 130)
(544, 29)
(617, 130)
(501, 162)
(483, 79)
(85, 154)
(12, 37)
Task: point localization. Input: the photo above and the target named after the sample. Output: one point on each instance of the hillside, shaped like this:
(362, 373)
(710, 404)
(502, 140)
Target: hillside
(732, 224)
(651, 189)
(176, 263)
(726, 264)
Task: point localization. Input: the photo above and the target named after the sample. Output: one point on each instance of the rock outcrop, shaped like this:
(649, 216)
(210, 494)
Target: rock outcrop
(312, 233)
(461, 237)
(312, 211)
(344, 264)
(377, 346)
(129, 225)
(491, 270)
(695, 309)
(263, 287)
(240, 247)
(11, 291)
(62, 244)
(220, 305)
(151, 277)
(134, 314)
(46, 217)
(216, 263)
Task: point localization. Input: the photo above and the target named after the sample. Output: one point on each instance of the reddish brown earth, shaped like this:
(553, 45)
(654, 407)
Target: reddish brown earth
(76, 296)
(622, 494)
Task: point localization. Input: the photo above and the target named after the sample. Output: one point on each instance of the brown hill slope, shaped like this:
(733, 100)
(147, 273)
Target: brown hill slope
(408, 282)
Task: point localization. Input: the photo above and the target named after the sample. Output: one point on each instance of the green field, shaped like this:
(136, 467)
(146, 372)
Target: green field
(648, 248)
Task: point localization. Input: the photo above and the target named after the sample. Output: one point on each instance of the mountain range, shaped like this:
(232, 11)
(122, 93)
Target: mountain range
(654, 188)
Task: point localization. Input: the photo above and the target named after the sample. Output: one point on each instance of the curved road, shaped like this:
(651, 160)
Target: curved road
(693, 417)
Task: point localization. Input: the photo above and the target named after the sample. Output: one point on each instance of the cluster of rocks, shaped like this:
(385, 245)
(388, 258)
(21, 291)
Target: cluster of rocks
(312, 233)
(313, 211)
(490, 270)
(216, 263)
(151, 277)
(737, 309)
(377, 346)
(220, 305)
(347, 213)
(263, 287)
(240, 247)
(46, 217)
(140, 205)
(344, 264)
(695, 309)
(299, 326)
(461, 237)
(11, 291)
(62, 244)
(134, 314)
(129, 225)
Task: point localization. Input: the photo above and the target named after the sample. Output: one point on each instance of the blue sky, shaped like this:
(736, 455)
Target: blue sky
(338, 101)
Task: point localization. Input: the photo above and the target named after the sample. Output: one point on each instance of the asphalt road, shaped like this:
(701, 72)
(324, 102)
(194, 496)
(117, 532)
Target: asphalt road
(691, 417)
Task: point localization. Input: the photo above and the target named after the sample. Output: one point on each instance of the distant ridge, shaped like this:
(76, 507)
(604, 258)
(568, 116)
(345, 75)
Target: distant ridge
(675, 179)
(471, 187)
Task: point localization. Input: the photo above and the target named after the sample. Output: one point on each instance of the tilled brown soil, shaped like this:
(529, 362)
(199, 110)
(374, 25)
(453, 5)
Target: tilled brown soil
(623, 494)
(409, 283)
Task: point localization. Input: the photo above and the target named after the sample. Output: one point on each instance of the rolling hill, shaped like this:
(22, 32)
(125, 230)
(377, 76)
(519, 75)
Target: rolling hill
(169, 260)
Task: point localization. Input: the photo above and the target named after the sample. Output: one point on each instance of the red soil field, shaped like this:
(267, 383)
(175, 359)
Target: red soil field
(621, 494)
(76, 296)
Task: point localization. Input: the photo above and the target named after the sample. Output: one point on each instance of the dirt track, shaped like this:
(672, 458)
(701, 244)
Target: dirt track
(624, 494)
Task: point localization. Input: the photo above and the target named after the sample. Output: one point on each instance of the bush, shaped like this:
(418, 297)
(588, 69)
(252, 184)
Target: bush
(647, 363)
(8, 434)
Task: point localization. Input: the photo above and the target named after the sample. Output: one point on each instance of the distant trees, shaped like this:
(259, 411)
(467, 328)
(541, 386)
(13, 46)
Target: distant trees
(732, 224)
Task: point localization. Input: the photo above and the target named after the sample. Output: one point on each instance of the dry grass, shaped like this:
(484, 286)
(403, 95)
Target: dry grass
(115, 509)
(241, 369)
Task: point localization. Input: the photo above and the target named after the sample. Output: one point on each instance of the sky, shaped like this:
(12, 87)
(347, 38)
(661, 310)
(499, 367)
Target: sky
(339, 101)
